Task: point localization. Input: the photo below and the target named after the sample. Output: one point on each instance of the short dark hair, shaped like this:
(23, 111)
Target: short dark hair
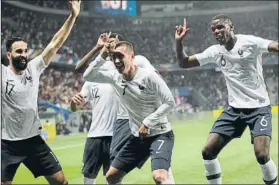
(125, 43)
(120, 37)
(223, 17)
(11, 41)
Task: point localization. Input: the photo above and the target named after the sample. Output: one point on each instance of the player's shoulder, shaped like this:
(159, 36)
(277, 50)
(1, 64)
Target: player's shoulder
(145, 72)
(141, 60)
(214, 48)
(109, 65)
(35, 61)
(140, 57)
(3, 67)
(38, 58)
(98, 85)
(90, 84)
(246, 38)
(149, 73)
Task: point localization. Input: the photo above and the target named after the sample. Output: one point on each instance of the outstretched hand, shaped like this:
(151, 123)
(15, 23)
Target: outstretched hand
(181, 31)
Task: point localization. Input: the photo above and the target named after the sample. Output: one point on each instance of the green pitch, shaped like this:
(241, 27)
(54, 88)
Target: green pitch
(238, 163)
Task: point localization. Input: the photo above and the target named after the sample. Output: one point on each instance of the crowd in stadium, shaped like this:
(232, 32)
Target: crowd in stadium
(58, 87)
(193, 5)
(44, 97)
(153, 38)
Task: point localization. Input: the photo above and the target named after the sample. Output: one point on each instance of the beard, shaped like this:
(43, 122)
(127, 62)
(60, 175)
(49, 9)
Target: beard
(19, 63)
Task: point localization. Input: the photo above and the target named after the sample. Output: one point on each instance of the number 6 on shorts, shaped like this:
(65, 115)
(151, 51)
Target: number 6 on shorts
(264, 122)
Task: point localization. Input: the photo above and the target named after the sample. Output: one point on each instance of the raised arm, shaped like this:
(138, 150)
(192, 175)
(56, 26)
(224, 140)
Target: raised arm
(60, 37)
(184, 60)
(96, 73)
(165, 95)
(98, 69)
(85, 61)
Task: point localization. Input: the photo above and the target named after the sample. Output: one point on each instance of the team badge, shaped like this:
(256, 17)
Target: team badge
(29, 78)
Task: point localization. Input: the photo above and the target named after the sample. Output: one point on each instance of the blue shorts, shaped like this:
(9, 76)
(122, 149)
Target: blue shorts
(135, 150)
(233, 121)
(96, 155)
(33, 152)
(121, 134)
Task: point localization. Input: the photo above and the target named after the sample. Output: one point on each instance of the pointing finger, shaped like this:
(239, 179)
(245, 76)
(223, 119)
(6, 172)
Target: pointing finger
(184, 23)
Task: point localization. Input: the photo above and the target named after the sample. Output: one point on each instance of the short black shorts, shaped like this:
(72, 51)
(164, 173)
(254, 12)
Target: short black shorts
(233, 121)
(33, 153)
(135, 150)
(96, 154)
(121, 134)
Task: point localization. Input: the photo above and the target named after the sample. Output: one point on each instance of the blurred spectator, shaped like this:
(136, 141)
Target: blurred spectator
(61, 129)
(153, 38)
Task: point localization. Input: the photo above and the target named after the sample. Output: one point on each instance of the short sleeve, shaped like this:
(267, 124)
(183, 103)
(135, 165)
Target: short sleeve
(85, 90)
(37, 65)
(143, 62)
(262, 44)
(207, 56)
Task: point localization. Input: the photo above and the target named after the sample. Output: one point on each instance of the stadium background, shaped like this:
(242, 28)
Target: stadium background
(200, 93)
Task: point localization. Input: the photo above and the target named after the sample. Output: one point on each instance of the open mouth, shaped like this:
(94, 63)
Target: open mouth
(120, 68)
(23, 61)
(219, 38)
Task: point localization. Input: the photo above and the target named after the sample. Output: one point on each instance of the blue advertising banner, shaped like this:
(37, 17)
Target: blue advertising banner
(118, 7)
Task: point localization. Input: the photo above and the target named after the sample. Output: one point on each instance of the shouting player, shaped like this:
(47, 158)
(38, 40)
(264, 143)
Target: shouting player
(121, 129)
(21, 141)
(240, 60)
(147, 100)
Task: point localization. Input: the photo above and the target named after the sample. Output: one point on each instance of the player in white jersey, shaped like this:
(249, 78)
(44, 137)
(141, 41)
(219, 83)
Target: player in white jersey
(121, 129)
(240, 60)
(21, 141)
(104, 105)
(147, 100)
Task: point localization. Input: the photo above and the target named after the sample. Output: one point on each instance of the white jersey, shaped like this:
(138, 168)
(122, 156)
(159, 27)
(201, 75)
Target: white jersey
(242, 68)
(147, 98)
(104, 104)
(19, 116)
(142, 62)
